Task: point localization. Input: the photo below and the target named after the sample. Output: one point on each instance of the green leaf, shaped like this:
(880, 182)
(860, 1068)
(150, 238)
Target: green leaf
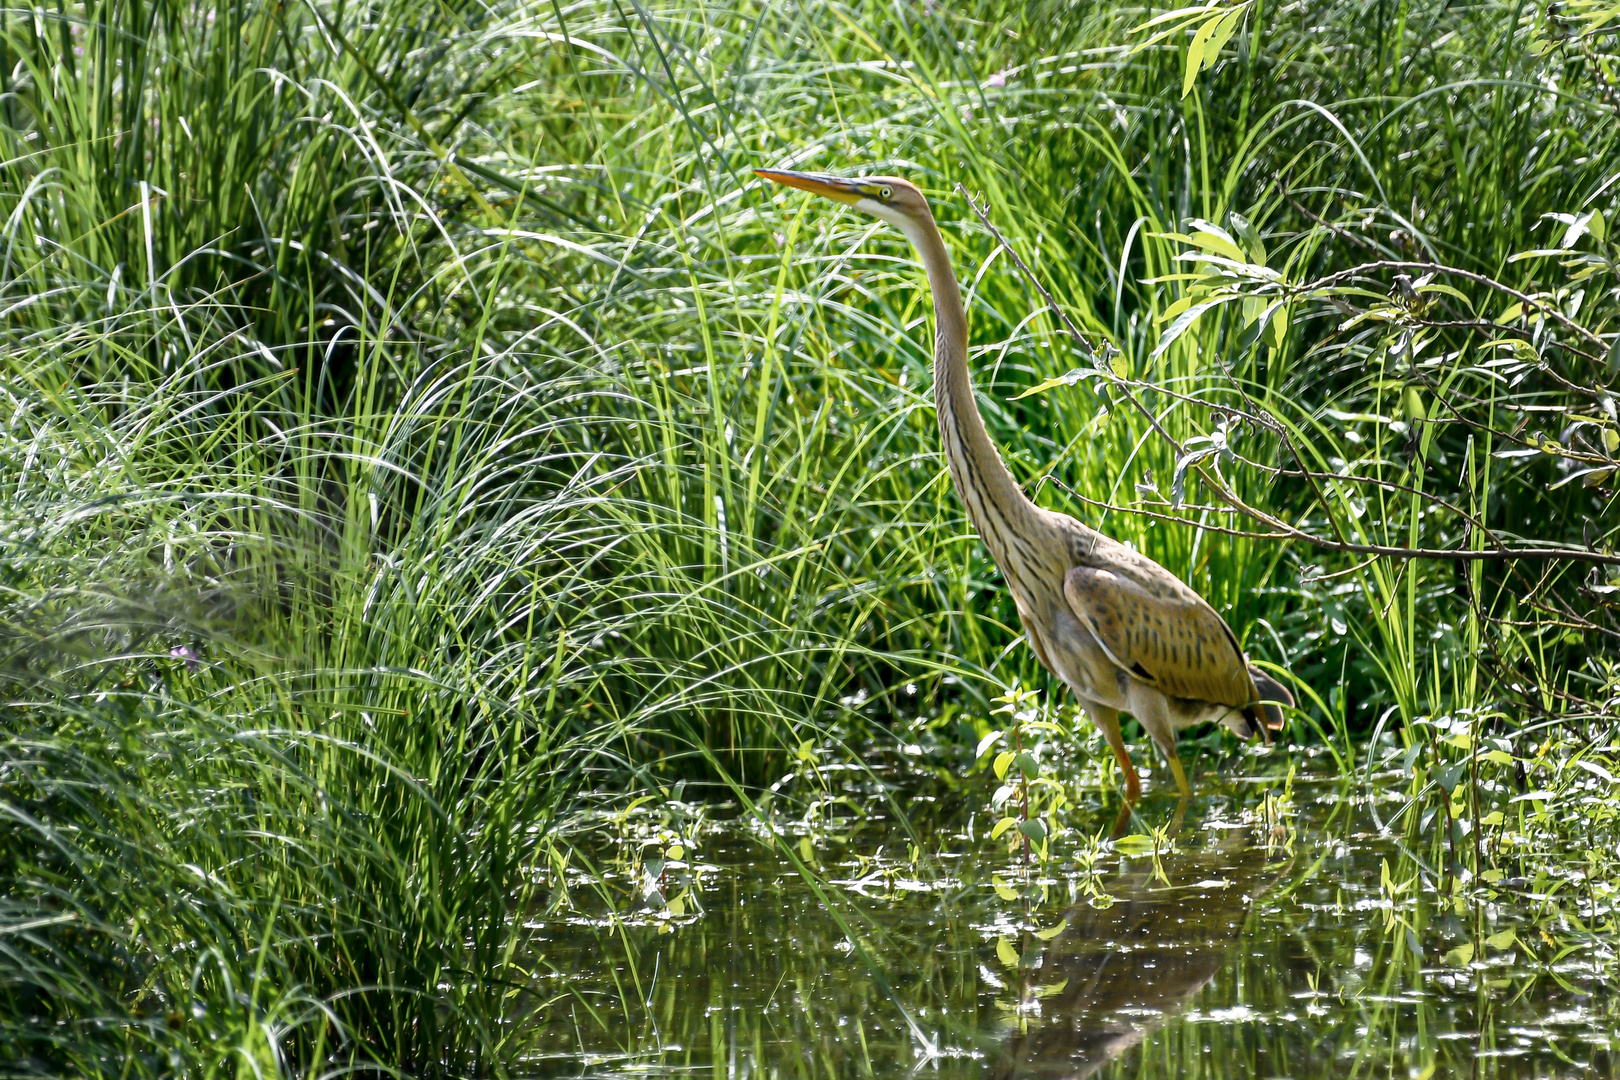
(1135, 844)
(1598, 227)
(1215, 239)
(1180, 238)
(1535, 253)
(1412, 405)
(986, 743)
(1597, 770)
(1006, 953)
(1460, 956)
(1251, 237)
(1051, 989)
(1178, 475)
(1577, 229)
(807, 851)
(1003, 761)
(1182, 14)
(1035, 829)
(1002, 826)
(1175, 309)
(1588, 478)
(1068, 378)
(1026, 765)
(1180, 326)
(1195, 55)
(1506, 939)
(1277, 326)
(1217, 41)
(1048, 935)
(1455, 294)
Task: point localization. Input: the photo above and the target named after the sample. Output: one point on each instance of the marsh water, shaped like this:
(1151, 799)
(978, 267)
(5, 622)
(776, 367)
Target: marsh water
(1290, 927)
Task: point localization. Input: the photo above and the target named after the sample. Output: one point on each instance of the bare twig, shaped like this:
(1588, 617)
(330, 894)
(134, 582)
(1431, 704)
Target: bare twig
(1142, 511)
(1336, 230)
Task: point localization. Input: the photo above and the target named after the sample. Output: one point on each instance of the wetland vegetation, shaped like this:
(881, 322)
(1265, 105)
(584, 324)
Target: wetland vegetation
(479, 593)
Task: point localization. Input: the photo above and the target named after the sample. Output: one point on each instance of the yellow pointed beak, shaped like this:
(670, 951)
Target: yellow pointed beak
(832, 187)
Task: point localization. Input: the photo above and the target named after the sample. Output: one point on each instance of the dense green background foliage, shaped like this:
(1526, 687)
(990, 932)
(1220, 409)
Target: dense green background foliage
(415, 414)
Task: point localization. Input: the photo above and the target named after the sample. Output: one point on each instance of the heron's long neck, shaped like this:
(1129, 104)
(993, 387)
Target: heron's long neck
(1004, 517)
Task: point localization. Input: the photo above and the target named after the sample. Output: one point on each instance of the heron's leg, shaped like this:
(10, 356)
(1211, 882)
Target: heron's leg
(1154, 713)
(1167, 746)
(1181, 816)
(1133, 783)
(1106, 720)
(1122, 822)
(1176, 771)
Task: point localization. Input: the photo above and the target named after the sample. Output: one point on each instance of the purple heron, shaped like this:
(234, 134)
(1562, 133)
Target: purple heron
(1124, 633)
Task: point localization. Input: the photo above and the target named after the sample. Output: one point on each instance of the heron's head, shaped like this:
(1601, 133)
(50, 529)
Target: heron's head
(894, 200)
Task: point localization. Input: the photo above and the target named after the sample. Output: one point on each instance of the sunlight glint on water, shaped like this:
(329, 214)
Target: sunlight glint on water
(1250, 950)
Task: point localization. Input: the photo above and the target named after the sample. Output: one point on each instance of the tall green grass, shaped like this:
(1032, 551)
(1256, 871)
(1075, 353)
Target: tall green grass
(414, 414)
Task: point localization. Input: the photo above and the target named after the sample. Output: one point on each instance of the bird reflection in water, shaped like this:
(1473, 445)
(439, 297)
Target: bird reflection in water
(1116, 974)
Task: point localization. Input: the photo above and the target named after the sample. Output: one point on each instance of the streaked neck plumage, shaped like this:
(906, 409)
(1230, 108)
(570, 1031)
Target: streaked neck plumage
(1001, 512)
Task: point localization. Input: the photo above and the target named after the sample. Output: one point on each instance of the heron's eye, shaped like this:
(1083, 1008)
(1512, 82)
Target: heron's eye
(886, 192)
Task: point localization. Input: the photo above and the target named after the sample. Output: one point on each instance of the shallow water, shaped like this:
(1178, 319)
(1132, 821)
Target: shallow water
(1280, 936)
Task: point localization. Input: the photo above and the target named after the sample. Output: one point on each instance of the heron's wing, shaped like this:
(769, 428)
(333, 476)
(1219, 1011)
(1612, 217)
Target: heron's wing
(1155, 627)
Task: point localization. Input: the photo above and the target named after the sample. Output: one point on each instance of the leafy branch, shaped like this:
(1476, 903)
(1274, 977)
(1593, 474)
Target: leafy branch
(1234, 273)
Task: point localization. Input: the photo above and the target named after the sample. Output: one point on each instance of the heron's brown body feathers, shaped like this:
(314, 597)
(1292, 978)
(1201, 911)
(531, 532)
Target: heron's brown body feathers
(1121, 631)
(1160, 631)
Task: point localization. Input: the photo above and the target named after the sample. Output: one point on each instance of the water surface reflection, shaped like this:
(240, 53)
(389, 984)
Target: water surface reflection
(1317, 943)
(1118, 972)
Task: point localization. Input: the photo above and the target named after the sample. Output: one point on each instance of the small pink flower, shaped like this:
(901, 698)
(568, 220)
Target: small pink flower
(998, 79)
(189, 655)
